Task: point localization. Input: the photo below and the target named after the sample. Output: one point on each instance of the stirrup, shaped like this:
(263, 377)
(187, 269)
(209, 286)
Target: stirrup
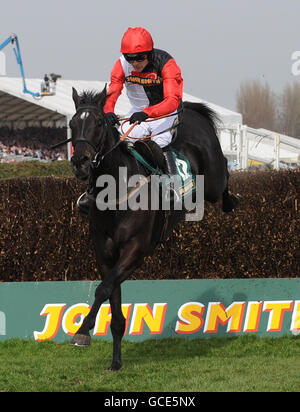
(84, 203)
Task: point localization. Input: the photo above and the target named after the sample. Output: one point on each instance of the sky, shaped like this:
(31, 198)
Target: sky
(218, 44)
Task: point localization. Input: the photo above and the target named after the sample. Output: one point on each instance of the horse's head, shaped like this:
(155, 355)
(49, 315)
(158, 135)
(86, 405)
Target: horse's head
(87, 126)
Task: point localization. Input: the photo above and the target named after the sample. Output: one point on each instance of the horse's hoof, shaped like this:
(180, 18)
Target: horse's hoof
(115, 366)
(81, 340)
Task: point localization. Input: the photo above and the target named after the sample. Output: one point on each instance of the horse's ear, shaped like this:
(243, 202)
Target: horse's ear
(101, 97)
(75, 96)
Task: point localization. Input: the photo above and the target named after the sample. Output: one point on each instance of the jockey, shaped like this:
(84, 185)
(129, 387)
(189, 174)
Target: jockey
(154, 87)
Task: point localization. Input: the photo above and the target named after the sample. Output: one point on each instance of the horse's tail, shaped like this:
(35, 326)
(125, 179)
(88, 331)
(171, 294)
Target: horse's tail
(205, 111)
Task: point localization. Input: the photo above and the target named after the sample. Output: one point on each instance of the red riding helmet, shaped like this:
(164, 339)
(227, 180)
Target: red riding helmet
(136, 40)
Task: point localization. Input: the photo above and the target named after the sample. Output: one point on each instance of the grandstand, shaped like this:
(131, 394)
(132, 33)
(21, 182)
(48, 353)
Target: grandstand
(19, 109)
(242, 145)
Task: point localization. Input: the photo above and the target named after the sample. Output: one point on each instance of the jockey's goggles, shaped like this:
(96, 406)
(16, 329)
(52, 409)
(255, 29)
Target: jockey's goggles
(138, 57)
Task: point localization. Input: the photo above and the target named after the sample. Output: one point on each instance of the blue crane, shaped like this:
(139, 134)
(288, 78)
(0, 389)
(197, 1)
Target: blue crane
(13, 39)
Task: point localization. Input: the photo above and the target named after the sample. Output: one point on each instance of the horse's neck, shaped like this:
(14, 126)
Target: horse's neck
(114, 156)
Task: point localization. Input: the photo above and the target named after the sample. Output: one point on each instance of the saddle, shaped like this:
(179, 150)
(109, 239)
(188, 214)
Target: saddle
(169, 162)
(151, 154)
(154, 155)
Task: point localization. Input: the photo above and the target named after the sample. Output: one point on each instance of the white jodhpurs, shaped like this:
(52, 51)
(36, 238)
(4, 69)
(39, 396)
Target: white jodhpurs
(148, 128)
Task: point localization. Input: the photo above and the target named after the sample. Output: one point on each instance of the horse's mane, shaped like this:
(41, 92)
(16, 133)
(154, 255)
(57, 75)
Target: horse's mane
(92, 98)
(206, 112)
(89, 97)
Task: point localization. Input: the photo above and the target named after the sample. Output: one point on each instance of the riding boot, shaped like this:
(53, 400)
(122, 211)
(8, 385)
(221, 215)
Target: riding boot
(171, 170)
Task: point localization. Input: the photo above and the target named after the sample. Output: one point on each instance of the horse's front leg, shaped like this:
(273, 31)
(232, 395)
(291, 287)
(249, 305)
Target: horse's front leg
(130, 258)
(82, 336)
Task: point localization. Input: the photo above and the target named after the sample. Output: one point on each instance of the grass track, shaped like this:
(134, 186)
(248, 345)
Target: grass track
(35, 168)
(172, 365)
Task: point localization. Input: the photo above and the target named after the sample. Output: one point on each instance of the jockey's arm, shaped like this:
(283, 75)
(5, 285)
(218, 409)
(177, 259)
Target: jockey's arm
(117, 80)
(172, 89)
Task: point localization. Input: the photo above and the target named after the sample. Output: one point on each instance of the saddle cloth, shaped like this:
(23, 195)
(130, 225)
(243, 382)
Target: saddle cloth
(185, 180)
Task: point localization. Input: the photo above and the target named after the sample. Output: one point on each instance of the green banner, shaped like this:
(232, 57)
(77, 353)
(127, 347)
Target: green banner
(154, 309)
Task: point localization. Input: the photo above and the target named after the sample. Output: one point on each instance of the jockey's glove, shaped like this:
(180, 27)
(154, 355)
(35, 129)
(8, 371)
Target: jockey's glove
(138, 117)
(112, 118)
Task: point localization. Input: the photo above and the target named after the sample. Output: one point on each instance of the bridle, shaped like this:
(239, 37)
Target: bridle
(97, 157)
(81, 138)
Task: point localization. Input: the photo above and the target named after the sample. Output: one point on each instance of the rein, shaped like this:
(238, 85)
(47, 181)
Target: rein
(126, 119)
(97, 160)
(124, 135)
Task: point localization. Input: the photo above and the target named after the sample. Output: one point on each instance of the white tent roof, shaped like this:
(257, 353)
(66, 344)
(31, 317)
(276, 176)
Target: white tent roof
(16, 106)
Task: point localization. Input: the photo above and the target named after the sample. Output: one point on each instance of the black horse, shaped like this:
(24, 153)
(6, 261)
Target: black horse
(122, 238)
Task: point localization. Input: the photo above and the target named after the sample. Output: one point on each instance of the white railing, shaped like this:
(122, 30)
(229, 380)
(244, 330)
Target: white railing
(247, 145)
